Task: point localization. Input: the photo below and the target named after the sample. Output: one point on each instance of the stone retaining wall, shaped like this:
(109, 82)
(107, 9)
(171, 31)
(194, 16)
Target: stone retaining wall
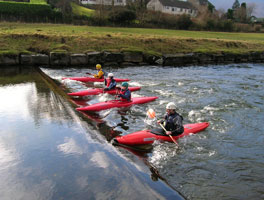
(128, 58)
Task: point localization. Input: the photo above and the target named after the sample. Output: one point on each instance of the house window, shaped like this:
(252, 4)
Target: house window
(172, 9)
(167, 7)
(181, 10)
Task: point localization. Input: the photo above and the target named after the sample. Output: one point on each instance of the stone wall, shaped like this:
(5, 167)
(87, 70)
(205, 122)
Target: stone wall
(127, 58)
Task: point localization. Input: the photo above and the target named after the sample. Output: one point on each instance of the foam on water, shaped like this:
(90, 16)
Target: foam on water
(135, 84)
(194, 114)
(166, 93)
(210, 108)
(105, 97)
(163, 102)
(162, 153)
(180, 84)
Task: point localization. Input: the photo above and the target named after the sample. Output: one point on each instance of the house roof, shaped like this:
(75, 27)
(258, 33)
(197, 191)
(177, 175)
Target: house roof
(176, 3)
(203, 2)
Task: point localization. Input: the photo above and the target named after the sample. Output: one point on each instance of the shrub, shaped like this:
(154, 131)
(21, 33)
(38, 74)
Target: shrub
(122, 16)
(27, 12)
(228, 26)
(258, 28)
(184, 22)
(211, 24)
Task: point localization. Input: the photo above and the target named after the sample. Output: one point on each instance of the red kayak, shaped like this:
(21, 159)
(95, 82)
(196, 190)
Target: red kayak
(79, 102)
(91, 79)
(116, 104)
(146, 137)
(97, 91)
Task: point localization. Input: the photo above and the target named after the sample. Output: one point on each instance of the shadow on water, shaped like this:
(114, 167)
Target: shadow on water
(52, 151)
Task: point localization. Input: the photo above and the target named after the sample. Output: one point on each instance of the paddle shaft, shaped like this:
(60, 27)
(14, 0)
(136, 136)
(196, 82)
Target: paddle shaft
(117, 91)
(169, 135)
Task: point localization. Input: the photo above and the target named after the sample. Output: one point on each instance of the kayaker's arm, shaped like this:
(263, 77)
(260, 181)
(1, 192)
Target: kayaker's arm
(161, 121)
(112, 85)
(99, 75)
(126, 96)
(178, 125)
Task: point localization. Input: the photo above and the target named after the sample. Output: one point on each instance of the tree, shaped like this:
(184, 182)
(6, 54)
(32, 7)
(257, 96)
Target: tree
(122, 16)
(241, 13)
(220, 13)
(184, 22)
(65, 6)
(211, 7)
(230, 14)
(250, 9)
(236, 5)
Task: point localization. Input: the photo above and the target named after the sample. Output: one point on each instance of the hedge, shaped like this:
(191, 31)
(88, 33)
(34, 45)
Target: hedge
(28, 12)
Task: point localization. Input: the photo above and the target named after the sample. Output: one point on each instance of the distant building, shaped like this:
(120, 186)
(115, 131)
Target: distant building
(199, 2)
(104, 2)
(175, 7)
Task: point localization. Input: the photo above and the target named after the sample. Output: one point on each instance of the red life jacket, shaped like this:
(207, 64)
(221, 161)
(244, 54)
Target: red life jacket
(123, 93)
(108, 81)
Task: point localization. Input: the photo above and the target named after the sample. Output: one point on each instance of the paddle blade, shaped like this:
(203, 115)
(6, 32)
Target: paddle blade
(151, 113)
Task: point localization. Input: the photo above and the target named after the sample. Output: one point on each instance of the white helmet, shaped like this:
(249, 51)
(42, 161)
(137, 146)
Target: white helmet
(110, 75)
(171, 106)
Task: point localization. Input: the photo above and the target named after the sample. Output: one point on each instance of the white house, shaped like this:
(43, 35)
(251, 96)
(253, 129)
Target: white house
(104, 2)
(175, 7)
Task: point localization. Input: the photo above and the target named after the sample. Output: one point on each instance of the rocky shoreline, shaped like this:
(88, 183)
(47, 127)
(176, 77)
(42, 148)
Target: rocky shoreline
(127, 58)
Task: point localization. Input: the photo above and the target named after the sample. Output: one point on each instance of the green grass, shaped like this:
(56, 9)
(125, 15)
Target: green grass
(38, 1)
(80, 10)
(34, 1)
(45, 38)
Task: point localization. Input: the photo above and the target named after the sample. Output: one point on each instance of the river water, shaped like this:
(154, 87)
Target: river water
(223, 162)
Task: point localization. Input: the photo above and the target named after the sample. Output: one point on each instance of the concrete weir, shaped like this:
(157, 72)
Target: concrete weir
(127, 58)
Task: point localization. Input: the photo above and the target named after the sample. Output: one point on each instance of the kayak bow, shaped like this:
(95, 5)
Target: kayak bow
(116, 104)
(91, 79)
(97, 91)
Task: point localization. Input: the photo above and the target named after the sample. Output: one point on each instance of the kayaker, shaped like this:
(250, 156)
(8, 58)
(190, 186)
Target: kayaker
(172, 121)
(101, 73)
(124, 94)
(110, 82)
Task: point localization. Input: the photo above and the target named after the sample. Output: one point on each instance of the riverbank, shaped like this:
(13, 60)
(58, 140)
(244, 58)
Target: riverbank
(67, 45)
(128, 58)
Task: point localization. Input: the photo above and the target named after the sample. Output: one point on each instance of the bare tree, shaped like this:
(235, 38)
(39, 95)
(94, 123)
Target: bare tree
(220, 13)
(240, 14)
(251, 9)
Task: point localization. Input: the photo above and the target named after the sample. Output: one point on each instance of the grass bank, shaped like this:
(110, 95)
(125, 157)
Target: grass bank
(44, 38)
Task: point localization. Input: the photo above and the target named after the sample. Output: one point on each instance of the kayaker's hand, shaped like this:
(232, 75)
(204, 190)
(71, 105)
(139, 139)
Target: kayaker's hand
(88, 73)
(158, 121)
(168, 132)
(106, 89)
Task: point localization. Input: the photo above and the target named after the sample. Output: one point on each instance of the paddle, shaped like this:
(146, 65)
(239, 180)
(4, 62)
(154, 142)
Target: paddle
(151, 114)
(88, 73)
